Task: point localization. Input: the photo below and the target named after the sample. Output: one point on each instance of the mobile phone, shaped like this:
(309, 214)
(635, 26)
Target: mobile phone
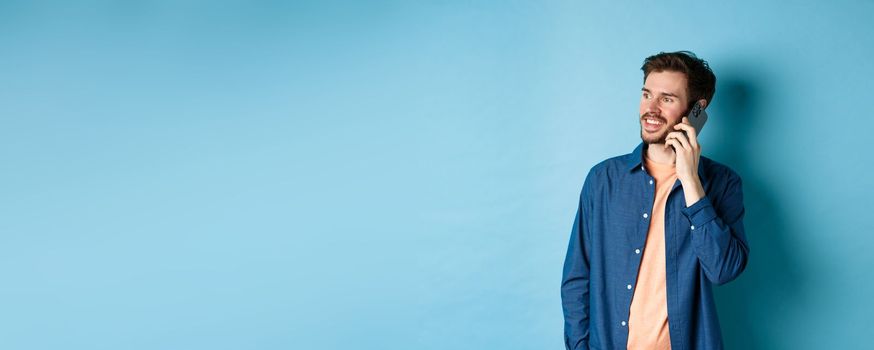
(697, 117)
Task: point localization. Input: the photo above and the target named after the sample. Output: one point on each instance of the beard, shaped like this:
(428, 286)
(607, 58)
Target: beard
(651, 138)
(654, 138)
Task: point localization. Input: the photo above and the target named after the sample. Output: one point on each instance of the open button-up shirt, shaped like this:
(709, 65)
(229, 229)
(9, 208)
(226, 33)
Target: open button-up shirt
(705, 244)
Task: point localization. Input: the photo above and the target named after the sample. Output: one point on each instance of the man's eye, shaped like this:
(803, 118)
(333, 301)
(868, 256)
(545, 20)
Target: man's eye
(668, 99)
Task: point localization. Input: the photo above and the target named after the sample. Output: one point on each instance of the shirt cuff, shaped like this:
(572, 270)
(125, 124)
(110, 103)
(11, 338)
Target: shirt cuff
(700, 213)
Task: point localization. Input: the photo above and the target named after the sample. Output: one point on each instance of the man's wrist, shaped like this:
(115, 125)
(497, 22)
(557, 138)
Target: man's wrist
(692, 189)
(689, 179)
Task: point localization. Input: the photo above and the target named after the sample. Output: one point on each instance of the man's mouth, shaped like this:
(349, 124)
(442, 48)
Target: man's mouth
(652, 124)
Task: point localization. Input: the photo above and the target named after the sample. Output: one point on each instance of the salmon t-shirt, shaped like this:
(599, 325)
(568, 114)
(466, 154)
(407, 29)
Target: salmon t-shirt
(648, 318)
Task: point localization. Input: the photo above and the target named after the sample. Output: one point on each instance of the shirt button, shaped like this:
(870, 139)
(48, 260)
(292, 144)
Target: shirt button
(628, 286)
(650, 182)
(623, 323)
(645, 215)
(637, 251)
(693, 227)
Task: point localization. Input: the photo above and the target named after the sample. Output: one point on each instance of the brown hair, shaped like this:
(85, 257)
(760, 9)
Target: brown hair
(701, 82)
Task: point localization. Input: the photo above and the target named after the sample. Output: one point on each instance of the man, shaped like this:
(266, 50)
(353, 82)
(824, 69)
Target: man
(655, 229)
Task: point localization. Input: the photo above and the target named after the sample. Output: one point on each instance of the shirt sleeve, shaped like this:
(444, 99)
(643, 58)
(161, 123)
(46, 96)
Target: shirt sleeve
(575, 280)
(718, 233)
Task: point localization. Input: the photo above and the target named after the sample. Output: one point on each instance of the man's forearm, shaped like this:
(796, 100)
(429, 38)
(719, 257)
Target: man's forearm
(719, 241)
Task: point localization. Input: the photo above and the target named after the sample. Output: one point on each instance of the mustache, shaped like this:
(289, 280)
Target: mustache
(653, 116)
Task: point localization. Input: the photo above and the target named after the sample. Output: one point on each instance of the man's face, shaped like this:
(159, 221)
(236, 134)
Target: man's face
(663, 104)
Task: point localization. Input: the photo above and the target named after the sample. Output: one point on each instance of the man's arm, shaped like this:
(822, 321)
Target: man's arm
(575, 284)
(719, 239)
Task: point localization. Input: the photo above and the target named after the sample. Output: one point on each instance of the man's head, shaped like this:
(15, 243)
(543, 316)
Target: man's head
(672, 83)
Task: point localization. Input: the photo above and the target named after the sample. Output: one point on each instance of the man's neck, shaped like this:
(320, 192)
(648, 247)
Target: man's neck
(657, 152)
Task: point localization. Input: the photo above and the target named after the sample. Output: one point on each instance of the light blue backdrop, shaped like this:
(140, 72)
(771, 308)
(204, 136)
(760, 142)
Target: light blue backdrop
(400, 174)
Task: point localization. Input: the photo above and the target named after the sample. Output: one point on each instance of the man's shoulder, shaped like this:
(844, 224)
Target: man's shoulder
(609, 168)
(715, 170)
(619, 162)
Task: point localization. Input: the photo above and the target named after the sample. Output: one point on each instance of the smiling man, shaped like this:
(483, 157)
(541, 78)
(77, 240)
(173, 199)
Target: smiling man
(655, 229)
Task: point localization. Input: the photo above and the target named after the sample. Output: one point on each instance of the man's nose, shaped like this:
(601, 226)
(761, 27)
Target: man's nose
(651, 106)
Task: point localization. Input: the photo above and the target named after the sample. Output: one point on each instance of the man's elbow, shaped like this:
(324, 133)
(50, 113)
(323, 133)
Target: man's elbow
(730, 272)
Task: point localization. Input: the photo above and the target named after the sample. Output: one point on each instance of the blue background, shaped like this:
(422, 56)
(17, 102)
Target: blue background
(398, 174)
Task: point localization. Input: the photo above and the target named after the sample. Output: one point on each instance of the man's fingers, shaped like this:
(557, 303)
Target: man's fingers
(681, 137)
(690, 131)
(679, 140)
(675, 143)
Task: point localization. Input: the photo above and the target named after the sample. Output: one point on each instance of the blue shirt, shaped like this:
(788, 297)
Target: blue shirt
(705, 245)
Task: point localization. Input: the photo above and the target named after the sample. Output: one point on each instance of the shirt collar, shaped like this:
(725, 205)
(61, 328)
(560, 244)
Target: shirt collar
(634, 160)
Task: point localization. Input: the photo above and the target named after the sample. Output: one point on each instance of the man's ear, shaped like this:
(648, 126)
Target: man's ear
(703, 103)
